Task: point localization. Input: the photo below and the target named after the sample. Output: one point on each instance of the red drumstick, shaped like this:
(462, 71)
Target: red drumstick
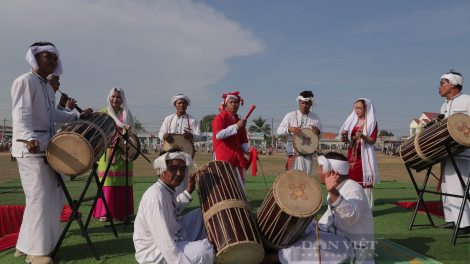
(251, 110)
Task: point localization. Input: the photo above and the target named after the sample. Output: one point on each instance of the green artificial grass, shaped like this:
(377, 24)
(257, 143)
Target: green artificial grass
(391, 222)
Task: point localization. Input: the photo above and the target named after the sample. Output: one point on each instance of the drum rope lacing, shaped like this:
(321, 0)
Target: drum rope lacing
(103, 135)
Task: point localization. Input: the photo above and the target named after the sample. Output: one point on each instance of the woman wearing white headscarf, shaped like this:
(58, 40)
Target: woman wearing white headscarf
(361, 130)
(115, 185)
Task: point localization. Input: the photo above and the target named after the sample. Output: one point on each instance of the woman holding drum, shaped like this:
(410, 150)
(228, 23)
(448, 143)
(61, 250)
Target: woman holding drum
(360, 131)
(115, 185)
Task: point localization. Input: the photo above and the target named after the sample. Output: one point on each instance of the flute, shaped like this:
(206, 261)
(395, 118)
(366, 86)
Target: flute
(76, 106)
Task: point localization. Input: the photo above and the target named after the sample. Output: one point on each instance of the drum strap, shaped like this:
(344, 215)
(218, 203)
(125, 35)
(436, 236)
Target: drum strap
(227, 204)
(419, 152)
(98, 128)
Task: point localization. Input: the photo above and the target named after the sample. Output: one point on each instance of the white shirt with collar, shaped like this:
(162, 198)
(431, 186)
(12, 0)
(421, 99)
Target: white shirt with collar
(458, 104)
(177, 125)
(351, 216)
(34, 113)
(297, 119)
(156, 227)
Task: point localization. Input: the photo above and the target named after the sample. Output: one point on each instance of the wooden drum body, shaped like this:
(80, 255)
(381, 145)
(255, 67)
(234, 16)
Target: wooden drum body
(73, 151)
(428, 146)
(132, 153)
(180, 143)
(288, 209)
(306, 143)
(229, 222)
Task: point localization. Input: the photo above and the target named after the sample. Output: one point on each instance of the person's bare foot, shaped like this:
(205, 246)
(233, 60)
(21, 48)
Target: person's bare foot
(39, 260)
(19, 253)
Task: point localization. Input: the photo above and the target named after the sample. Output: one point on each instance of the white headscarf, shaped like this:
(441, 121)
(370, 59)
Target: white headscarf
(370, 172)
(160, 163)
(126, 113)
(180, 96)
(342, 167)
(32, 51)
(305, 99)
(453, 78)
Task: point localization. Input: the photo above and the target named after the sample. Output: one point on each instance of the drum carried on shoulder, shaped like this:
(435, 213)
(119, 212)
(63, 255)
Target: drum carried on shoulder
(288, 209)
(306, 143)
(73, 151)
(185, 145)
(228, 219)
(428, 146)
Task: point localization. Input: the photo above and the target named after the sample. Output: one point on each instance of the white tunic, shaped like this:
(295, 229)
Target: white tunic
(157, 229)
(34, 113)
(297, 119)
(351, 216)
(451, 183)
(177, 125)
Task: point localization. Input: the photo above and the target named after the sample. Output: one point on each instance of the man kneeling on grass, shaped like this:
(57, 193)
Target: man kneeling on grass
(346, 229)
(159, 236)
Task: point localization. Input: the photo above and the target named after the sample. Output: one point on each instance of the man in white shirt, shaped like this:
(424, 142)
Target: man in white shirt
(159, 236)
(34, 114)
(291, 125)
(451, 88)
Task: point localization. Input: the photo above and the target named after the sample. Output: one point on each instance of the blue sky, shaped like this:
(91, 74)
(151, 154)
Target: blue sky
(392, 52)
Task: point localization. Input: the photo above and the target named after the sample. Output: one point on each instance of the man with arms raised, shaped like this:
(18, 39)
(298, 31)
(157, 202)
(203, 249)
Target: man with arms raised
(455, 102)
(34, 114)
(291, 125)
(180, 123)
(159, 236)
(230, 139)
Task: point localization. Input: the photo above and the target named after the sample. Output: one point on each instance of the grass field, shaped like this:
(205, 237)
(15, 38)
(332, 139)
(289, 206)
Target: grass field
(391, 222)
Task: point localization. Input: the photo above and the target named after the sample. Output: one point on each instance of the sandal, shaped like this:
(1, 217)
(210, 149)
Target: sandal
(104, 219)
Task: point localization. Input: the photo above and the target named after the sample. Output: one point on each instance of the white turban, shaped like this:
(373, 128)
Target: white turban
(180, 96)
(453, 78)
(342, 167)
(160, 163)
(126, 113)
(30, 57)
(305, 99)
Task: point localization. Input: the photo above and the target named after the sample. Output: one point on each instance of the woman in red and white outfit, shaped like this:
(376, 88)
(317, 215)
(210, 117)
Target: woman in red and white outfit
(230, 139)
(361, 129)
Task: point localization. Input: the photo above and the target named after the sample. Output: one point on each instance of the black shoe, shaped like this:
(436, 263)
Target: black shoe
(462, 231)
(448, 225)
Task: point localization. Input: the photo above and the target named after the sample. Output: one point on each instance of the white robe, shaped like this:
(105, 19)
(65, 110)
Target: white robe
(450, 182)
(297, 119)
(34, 114)
(351, 216)
(177, 125)
(160, 237)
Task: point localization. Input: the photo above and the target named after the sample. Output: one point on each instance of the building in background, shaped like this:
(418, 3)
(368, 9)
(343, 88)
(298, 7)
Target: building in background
(417, 124)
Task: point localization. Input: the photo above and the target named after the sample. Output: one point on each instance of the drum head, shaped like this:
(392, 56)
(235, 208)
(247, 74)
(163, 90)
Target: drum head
(459, 128)
(70, 154)
(132, 153)
(307, 143)
(179, 142)
(297, 193)
(245, 252)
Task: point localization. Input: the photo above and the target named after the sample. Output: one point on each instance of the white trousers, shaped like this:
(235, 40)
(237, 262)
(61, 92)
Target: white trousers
(451, 184)
(41, 228)
(303, 163)
(370, 197)
(195, 246)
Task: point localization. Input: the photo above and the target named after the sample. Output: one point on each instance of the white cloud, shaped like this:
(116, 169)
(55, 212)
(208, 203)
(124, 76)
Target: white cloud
(152, 49)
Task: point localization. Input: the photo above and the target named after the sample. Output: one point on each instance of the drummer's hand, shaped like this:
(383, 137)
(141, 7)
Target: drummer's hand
(187, 135)
(86, 113)
(168, 138)
(315, 130)
(359, 133)
(71, 103)
(63, 100)
(295, 130)
(191, 183)
(112, 146)
(34, 150)
(128, 128)
(344, 132)
(241, 123)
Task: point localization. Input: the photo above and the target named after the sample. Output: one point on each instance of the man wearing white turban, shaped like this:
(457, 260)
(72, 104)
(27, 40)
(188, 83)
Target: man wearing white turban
(159, 235)
(455, 102)
(34, 114)
(291, 125)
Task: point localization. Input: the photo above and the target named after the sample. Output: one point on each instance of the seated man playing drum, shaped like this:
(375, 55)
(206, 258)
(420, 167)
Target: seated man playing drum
(292, 124)
(159, 236)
